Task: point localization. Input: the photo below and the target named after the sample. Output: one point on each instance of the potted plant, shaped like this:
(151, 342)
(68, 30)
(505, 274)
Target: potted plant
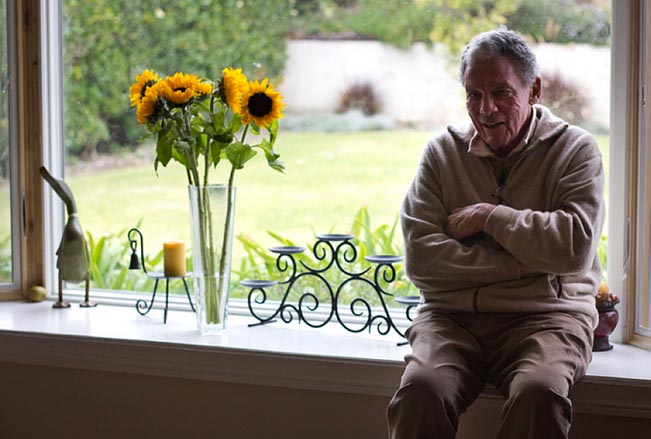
(608, 317)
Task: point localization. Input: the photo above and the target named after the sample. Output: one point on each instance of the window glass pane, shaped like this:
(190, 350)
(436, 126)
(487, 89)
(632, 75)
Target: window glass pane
(6, 270)
(363, 95)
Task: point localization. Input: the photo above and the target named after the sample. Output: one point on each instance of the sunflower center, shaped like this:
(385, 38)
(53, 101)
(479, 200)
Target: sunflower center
(181, 89)
(260, 104)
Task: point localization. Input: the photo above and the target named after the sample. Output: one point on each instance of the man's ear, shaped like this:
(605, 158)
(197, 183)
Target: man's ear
(536, 89)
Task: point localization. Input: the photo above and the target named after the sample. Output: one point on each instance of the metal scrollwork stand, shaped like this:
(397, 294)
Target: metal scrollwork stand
(137, 263)
(342, 252)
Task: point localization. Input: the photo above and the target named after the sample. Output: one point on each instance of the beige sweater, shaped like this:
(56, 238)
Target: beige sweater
(553, 224)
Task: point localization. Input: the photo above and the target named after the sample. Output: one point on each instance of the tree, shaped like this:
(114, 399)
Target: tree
(107, 42)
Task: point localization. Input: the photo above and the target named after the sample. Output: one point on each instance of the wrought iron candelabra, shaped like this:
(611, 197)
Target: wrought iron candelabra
(336, 252)
(138, 262)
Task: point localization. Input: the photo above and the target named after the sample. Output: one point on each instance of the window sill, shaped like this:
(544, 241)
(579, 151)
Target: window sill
(116, 339)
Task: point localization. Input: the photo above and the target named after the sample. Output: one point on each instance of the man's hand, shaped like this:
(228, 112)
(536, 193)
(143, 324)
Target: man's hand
(466, 221)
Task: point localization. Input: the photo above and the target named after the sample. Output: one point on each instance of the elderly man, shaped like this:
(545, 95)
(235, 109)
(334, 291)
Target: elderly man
(501, 226)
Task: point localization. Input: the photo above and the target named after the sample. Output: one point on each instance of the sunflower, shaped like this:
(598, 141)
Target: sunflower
(261, 104)
(232, 87)
(146, 110)
(182, 87)
(143, 81)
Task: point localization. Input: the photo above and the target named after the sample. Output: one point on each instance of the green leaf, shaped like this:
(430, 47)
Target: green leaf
(218, 119)
(119, 280)
(254, 128)
(216, 152)
(273, 131)
(164, 147)
(224, 137)
(271, 156)
(180, 153)
(239, 153)
(235, 123)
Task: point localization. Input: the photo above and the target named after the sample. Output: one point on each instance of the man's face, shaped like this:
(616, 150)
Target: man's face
(498, 103)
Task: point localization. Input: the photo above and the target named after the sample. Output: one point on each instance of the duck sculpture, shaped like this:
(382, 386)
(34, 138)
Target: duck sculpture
(72, 255)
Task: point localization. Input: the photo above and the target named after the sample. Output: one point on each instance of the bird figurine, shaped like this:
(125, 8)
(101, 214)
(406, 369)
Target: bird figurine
(72, 255)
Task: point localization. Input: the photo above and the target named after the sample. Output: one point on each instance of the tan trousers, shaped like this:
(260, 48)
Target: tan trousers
(532, 359)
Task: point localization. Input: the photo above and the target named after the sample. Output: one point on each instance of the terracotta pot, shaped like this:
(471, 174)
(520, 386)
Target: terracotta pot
(608, 318)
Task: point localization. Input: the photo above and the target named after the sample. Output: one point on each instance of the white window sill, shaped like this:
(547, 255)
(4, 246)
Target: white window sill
(117, 339)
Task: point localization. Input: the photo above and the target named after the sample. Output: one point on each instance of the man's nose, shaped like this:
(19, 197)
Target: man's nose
(487, 105)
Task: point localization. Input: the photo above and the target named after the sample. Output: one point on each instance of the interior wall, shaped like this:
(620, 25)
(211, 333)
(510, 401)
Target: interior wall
(56, 403)
(47, 402)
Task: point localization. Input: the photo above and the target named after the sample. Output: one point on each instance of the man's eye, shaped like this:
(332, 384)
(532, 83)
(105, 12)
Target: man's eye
(502, 92)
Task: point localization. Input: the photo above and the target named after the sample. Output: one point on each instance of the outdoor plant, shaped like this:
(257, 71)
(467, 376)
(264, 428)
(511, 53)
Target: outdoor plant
(201, 124)
(260, 263)
(362, 96)
(564, 97)
(108, 268)
(5, 260)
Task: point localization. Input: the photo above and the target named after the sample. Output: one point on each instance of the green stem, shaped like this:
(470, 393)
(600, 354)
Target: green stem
(227, 226)
(206, 165)
(211, 293)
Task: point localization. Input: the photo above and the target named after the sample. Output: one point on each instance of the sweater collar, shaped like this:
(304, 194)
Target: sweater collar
(478, 147)
(546, 126)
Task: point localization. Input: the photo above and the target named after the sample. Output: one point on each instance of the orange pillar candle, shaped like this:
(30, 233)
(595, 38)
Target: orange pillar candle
(174, 258)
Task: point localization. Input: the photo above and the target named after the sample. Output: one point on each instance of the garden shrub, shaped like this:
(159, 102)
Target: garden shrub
(564, 98)
(362, 96)
(563, 21)
(6, 272)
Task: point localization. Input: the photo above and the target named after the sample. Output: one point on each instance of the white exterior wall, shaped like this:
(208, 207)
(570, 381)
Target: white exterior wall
(418, 86)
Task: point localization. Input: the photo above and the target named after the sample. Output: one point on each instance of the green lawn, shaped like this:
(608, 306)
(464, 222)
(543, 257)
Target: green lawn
(328, 178)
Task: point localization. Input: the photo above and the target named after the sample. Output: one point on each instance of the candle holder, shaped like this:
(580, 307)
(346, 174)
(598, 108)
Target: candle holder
(138, 262)
(336, 251)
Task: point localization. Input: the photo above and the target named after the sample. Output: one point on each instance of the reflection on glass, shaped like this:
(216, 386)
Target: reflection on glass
(5, 198)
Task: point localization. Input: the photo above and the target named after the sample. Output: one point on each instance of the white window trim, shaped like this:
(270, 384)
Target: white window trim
(52, 121)
(618, 223)
(116, 339)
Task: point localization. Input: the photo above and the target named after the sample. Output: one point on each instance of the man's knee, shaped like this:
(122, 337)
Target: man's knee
(540, 396)
(535, 408)
(535, 393)
(425, 405)
(432, 389)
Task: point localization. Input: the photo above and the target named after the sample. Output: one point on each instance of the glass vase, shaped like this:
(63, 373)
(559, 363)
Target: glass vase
(211, 220)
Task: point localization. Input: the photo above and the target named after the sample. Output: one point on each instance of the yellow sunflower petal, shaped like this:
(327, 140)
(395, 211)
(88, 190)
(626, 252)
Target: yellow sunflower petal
(261, 104)
(143, 81)
(233, 86)
(182, 87)
(147, 105)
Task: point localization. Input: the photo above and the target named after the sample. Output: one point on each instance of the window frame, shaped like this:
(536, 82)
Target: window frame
(621, 228)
